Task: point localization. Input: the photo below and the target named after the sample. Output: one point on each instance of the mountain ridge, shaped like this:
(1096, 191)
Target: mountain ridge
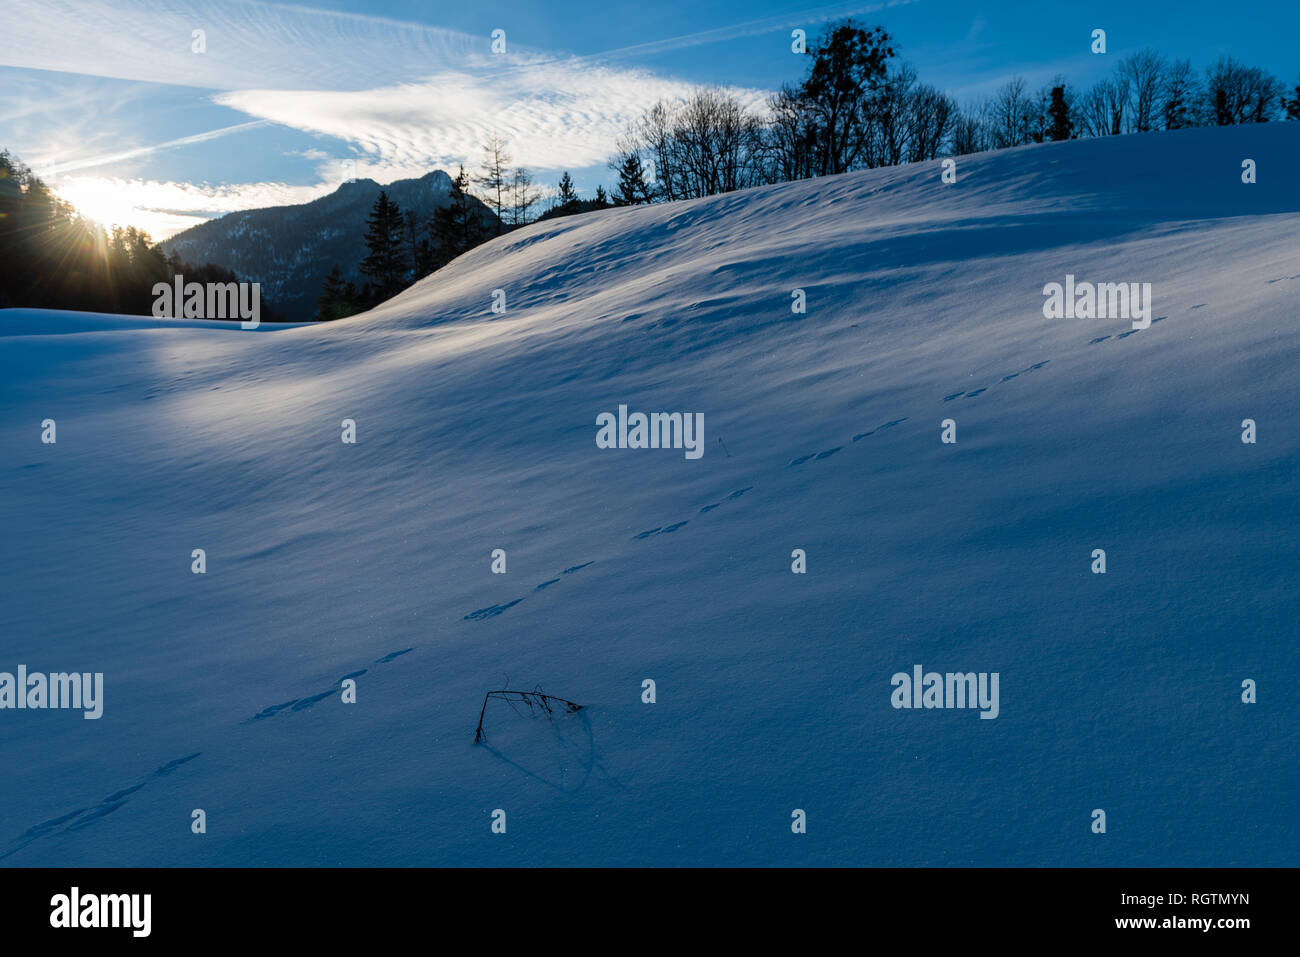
(291, 249)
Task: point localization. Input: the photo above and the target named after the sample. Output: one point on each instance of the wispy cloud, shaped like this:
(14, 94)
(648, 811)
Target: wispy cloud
(247, 44)
(106, 158)
(805, 19)
(552, 116)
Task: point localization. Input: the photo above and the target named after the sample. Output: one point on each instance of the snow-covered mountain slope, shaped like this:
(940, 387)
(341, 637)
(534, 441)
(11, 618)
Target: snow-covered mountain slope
(477, 431)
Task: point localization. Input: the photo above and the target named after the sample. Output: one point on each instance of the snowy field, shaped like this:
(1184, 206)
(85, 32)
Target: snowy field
(476, 431)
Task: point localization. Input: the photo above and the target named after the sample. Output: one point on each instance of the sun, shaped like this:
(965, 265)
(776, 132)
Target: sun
(115, 202)
(103, 200)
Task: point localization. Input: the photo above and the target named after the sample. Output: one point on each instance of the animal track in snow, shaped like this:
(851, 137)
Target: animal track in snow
(87, 816)
(491, 611)
(974, 393)
(674, 526)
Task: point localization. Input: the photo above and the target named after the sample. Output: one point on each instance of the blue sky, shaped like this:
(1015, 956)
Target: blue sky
(108, 101)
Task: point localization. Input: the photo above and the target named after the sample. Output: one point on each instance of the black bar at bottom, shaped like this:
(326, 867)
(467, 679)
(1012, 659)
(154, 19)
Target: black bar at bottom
(333, 907)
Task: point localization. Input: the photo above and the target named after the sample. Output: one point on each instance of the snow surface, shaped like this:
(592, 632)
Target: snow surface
(477, 431)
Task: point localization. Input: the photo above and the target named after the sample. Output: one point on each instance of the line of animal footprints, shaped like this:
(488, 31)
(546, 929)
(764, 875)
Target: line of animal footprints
(86, 816)
(302, 704)
(669, 529)
(827, 453)
(1131, 332)
(1199, 305)
(491, 611)
(1006, 378)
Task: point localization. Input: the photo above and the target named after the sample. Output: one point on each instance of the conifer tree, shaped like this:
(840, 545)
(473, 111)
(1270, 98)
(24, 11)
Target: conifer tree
(1059, 110)
(386, 259)
(566, 199)
(457, 227)
(632, 187)
(1293, 105)
(328, 304)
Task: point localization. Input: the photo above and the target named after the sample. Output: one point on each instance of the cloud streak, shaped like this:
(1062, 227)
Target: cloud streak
(104, 159)
(550, 117)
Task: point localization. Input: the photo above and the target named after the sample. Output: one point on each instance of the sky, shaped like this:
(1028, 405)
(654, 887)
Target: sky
(114, 105)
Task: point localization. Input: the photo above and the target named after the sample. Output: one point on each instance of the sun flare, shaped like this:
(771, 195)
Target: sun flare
(114, 202)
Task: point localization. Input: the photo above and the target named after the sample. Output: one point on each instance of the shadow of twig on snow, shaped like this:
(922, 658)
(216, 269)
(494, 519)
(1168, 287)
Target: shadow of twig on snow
(574, 750)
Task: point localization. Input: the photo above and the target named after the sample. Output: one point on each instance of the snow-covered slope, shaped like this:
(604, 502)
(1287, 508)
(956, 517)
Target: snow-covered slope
(476, 431)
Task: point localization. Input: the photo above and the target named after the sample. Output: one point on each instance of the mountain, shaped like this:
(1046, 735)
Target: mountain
(291, 249)
(476, 431)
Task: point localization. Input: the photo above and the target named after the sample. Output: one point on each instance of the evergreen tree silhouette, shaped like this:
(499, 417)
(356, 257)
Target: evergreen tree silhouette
(1222, 111)
(331, 305)
(567, 198)
(386, 260)
(1293, 105)
(1059, 111)
(632, 187)
(457, 227)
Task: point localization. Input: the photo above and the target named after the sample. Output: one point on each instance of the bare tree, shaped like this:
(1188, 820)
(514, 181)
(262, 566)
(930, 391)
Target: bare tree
(522, 197)
(932, 117)
(907, 122)
(1240, 94)
(707, 145)
(1180, 96)
(970, 132)
(1145, 73)
(1012, 110)
(1103, 108)
(716, 137)
(493, 179)
(887, 119)
(653, 134)
(790, 138)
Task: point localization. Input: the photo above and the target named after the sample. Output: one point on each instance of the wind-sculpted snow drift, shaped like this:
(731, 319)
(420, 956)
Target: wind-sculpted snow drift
(476, 431)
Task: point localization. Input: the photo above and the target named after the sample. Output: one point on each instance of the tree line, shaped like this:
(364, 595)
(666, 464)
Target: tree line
(858, 107)
(52, 257)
